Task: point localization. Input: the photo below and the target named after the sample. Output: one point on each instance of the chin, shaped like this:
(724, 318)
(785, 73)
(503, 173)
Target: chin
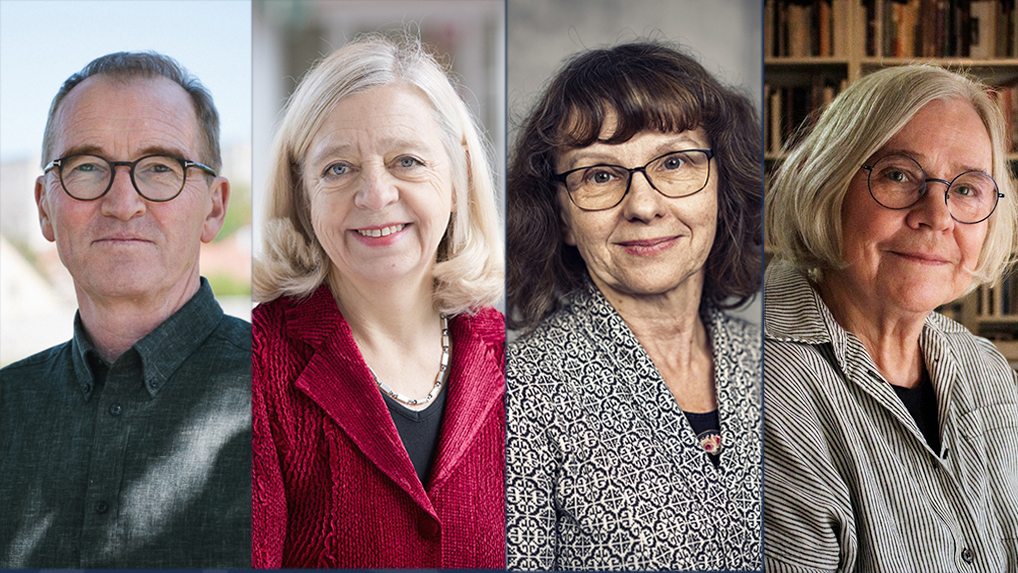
(924, 300)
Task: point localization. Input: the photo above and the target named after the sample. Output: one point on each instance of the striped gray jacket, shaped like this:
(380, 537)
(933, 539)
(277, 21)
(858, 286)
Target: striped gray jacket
(850, 483)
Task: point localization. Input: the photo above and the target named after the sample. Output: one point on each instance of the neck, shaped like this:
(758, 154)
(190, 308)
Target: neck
(398, 331)
(382, 313)
(890, 336)
(669, 328)
(116, 323)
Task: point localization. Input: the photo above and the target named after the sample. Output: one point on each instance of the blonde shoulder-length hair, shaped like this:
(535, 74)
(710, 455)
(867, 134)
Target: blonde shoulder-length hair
(470, 267)
(803, 205)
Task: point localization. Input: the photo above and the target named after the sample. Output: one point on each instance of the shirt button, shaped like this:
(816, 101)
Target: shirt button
(102, 506)
(115, 410)
(966, 556)
(427, 527)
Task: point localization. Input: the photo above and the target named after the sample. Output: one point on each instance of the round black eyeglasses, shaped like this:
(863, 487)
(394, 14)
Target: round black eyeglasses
(899, 182)
(157, 178)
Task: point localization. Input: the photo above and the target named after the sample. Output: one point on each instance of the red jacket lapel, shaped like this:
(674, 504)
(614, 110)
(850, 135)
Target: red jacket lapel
(339, 381)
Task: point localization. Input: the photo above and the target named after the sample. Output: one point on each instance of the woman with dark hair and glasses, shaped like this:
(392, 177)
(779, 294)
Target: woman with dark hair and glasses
(633, 413)
(892, 432)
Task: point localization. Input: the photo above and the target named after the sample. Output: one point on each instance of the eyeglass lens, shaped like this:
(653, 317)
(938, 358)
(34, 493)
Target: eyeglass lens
(898, 181)
(674, 175)
(88, 177)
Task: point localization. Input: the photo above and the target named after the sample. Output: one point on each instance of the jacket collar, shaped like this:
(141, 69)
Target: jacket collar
(338, 380)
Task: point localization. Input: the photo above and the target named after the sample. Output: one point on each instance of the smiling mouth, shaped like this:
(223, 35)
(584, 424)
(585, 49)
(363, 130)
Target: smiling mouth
(921, 258)
(647, 242)
(383, 232)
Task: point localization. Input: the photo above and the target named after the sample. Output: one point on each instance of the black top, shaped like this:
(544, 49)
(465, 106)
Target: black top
(419, 431)
(707, 428)
(921, 402)
(142, 463)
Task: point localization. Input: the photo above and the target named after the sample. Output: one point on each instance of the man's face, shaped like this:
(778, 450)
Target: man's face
(121, 246)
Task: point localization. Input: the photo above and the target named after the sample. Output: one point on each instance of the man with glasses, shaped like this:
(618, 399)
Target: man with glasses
(129, 446)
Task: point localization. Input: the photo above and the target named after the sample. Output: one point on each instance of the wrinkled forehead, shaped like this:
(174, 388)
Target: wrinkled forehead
(107, 111)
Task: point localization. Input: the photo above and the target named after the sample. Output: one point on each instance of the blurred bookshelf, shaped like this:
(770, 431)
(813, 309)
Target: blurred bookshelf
(814, 50)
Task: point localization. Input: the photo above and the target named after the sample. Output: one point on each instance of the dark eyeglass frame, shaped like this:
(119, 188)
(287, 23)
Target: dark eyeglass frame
(561, 177)
(922, 193)
(185, 164)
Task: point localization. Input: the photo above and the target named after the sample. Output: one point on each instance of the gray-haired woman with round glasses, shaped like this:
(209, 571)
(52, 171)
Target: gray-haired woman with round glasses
(633, 413)
(892, 432)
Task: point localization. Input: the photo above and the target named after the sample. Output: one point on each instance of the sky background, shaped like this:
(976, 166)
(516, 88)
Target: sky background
(44, 42)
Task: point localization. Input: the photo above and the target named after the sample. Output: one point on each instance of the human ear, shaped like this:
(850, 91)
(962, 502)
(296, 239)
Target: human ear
(216, 216)
(42, 204)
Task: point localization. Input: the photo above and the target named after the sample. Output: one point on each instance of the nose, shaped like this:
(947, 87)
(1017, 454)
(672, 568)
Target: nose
(377, 189)
(932, 210)
(643, 202)
(122, 200)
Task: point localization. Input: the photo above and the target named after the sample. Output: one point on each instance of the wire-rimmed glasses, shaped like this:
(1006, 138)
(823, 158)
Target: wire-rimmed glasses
(157, 178)
(675, 174)
(899, 182)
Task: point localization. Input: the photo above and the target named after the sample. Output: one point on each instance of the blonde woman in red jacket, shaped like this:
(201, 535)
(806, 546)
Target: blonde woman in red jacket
(378, 384)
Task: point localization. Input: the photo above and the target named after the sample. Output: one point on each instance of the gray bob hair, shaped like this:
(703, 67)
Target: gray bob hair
(803, 205)
(470, 268)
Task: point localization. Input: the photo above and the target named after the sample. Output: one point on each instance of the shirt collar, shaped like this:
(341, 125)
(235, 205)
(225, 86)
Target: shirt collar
(794, 312)
(161, 351)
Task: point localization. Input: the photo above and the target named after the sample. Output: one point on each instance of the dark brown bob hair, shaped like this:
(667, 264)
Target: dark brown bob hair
(642, 86)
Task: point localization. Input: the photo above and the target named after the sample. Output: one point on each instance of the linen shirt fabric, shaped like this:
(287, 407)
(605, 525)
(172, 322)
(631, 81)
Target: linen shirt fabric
(149, 468)
(849, 480)
(333, 484)
(604, 470)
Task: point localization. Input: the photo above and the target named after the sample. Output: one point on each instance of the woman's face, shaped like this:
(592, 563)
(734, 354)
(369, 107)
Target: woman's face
(648, 244)
(917, 258)
(380, 186)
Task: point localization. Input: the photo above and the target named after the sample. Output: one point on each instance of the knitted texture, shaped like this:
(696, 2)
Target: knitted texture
(332, 484)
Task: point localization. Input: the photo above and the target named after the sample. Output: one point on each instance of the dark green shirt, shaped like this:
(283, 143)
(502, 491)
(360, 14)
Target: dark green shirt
(145, 462)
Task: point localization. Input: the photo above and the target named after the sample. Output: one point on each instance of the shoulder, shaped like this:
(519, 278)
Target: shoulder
(39, 365)
(966, 345)
(547, 338)
(267, 318)
(740, 336)
(278, 349)
(978, 358)
(557, 355)
(49, 355)
(43, 378)
(235, 331)
(482, 335)
(486, 325)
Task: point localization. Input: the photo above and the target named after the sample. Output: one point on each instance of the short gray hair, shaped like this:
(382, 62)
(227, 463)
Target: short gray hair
(129, 65)
(804, 202)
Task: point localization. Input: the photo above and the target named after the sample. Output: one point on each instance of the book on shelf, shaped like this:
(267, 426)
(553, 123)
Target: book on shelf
(791, 108)
(976, 29)
(801, 28)
(998, 300)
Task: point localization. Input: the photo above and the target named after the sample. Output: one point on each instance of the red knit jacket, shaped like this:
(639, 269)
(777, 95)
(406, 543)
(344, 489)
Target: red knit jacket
(332, 484)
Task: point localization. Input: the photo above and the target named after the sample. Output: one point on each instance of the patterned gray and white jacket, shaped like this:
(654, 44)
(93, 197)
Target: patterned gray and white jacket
(603, 470)
(850, 482)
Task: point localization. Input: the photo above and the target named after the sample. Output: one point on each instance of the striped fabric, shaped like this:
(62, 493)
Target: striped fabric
(849, 482)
